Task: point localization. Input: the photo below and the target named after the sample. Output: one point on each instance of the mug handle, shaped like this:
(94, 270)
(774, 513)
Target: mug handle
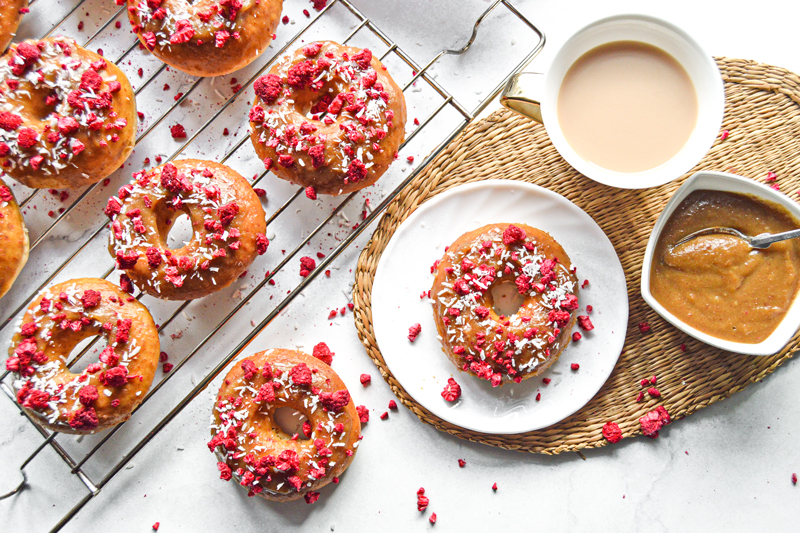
(522, 94)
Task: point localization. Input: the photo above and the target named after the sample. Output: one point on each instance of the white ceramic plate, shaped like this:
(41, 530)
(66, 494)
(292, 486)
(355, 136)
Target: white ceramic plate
(422, 368)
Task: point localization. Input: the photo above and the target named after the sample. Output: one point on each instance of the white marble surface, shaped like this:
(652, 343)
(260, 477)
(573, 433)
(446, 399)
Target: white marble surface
(725, 468)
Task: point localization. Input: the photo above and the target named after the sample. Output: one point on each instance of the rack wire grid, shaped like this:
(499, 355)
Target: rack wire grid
(214, 109)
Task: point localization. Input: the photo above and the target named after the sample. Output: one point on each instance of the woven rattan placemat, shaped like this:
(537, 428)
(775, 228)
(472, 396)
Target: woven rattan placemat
(763, 118)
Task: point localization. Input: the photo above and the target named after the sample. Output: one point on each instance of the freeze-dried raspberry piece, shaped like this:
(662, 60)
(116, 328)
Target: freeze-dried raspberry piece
(300, 374)
(323, 353)
(569, 303)
(83, 419)
(585, 323)
(312, 49)
(365, 379)
(452, 390)
(307, 264)
(392, 404)
(644, 327)
(88, 395)
(228, 212)
(153, 257)
(462, 463)
(513, 234)
(794, 479)
(5, 192)
(29, 54)
(262, 243)
(612, 433)
(654, 421)
(177, 131)
(494, 487)
(265, 394)
(432, 518)
(481, 312)
(288, 461)
(311, 193)
(301, 74)
(356, 171)
(27, 138)
(36, 399)
(225, 473)
(311, 497)
(123, 330)
(183, 32)
(317, 154)
(10, 121)
(363, 413)
(28, 329)
(334, 402)
(363, 58)
(112, 208)
(576, 336)
(268, 88)
(250, 369)
(91, 80)
(559, 317)
(523, 284)
(422, 500)
(115, 377)
(90, 298)
(575, 366)
(413, 332)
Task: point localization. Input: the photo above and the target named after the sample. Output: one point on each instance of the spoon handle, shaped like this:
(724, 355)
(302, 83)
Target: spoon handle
(764, 240)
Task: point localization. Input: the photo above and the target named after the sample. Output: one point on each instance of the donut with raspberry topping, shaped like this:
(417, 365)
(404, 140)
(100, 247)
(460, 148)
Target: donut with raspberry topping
(504, 268)
(11, 12)
(228, 226)
(205, 37)
(14, 244)
(69, 115)
(251, 447)
(105, 393)
(328, 117)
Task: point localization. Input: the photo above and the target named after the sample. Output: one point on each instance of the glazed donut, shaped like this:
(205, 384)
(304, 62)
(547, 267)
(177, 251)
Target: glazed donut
(469, 286)
(205, 37)
(252, 449)
(13, 239)
(67, 117)
(106, 392)
(328, 117)
(228, 226)
(11, 12)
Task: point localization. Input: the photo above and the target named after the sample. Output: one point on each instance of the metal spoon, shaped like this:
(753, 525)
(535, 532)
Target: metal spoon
(759, 242)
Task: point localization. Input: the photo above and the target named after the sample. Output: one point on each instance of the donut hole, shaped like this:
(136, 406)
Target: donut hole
(290, 421)
(91, 356)
(179, 231)
(506, 299)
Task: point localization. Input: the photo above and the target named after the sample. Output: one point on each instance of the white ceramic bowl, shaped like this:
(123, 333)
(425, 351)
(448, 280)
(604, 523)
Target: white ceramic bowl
(721, 181)
(527, 88)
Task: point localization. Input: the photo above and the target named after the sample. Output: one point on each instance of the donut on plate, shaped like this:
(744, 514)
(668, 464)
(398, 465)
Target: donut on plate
(328, 117)
(11, 12)
(13, 239)
(205, 37)
(227, 219)
(252, 448)
(107, 391)
(67, 116)
(492, 267)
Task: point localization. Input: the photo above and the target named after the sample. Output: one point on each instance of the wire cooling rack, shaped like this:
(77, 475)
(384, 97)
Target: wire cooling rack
(68, 234)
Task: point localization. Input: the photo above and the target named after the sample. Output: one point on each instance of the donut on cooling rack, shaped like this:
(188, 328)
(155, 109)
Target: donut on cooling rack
(252, 448)
(205, 37)
(11, 12)
(328, 117)
(106, 392)
(67, 117)
(499, 268)
(13, 239)
(228, 225)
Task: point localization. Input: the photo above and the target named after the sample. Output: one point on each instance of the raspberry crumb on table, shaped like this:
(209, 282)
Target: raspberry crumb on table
(365, 379)
(413, 331)
(462, 463)
(432, 519)
(392, 404)
(494, 487)
(156, 526)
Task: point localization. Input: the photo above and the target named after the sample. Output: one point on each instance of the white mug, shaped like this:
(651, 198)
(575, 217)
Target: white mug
(536, 95)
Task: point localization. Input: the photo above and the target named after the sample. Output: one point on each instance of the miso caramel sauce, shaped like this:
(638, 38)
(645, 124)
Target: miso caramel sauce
(718, 284)
(627, 106)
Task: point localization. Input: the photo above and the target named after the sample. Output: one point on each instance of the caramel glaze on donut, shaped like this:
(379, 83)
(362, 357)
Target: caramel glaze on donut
(252, 448)
(67, 116)
(491, 346)
(328, 117)
(205, 37)
(228, 226)
(106, 392)
(13, 239)
(11, 12)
